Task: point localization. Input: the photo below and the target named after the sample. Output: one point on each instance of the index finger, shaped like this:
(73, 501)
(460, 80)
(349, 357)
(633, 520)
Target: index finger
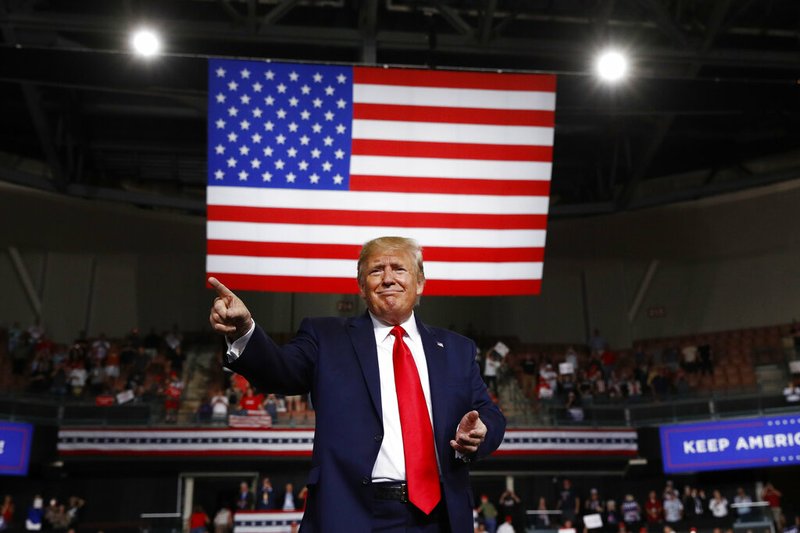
(221, 289)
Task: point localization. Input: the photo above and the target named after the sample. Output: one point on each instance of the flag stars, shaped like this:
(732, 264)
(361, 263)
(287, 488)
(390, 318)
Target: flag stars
(257, 87)
(340, 103)
(317, 127)
(256, 138)
(268, 151)
(282, 88)
(326, 166)
(317, 102)
(245, 99)
(293, 127)
(304, 114)
(257, 112)
(340, 128)
(304, 140)
(290, 177)
(269, 75)
(255, 163)
(338, 179)
(294, 76)
(329, 116)
(218, 174)
(303, 165)
(269, 126)
(244, 149)
(243, 175)
(341, 78)
(280, 139)
(220, 98)
(314, 178)
(220, 72)
(328, 141)
(232, 85)
(266, 176)
(232, 137)
(220, 124)
(232, 111)
(293, 101)
(292, 152)
(231, 162)
(279, 164)
(305, 89)
(269, 100)
(329, 90)
(219, 149)
(339, 154)
(245, 125)
(315, 153)
(317, 77)
(281, 113)
(245, 74)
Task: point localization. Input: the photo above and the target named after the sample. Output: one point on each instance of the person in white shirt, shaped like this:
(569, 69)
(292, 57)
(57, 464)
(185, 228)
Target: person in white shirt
(506, 527)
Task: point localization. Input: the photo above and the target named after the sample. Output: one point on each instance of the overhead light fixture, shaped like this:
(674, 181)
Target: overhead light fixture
(146, 42)
(612, 66)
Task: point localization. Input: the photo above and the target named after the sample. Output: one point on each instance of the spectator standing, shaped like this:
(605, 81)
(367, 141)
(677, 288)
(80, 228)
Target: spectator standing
(569, 503)
(631, 513)
(7, 513)
(673, 509)
(742, 503)
(654, 512)
(289, 498)
(266, 495)
(542, 516)
(509, 505)
(718, 505)
(772, 496)
(33, 521)
(245, 500)
(529, 371)
(489, 513)
(223, 520)
(611, 518)
(198, 520)
(594, 504)
(490, 371)
(219, 406)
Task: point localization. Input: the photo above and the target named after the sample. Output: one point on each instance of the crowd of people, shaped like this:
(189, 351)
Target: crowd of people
(671, 509)
(55, 515)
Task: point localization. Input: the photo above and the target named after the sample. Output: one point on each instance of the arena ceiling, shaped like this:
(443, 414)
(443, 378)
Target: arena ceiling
(713, 105)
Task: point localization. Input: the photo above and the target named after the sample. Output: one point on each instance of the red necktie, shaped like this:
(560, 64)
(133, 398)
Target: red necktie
(422, 474)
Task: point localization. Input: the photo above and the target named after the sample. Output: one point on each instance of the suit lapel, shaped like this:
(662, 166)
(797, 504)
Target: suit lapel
(436, 357)
(363, 339)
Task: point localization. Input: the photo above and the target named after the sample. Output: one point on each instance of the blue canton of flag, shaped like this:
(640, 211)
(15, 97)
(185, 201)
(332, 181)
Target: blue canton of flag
(279, 125)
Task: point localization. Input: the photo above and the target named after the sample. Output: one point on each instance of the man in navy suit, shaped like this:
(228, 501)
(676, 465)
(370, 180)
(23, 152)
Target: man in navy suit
(365, 476)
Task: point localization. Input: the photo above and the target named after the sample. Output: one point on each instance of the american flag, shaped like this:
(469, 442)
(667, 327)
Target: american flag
(307, 162)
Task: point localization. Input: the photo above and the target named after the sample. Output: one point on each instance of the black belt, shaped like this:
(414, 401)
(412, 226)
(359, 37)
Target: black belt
(390, 490)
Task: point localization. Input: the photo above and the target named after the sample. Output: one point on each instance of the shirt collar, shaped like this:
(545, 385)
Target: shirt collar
(382, 330)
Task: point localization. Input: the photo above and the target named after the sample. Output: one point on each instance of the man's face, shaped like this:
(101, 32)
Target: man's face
(391, 285)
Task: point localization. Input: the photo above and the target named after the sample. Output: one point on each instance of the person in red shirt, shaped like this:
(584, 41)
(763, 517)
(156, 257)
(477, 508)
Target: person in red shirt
(251, 401)
(654, 512)
(172, 400)
(198, 520)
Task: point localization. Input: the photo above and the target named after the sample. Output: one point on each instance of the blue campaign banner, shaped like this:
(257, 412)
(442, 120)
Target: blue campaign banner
(15, 448)
(726, 445)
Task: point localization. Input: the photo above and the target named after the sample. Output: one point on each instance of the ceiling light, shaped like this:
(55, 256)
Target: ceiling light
(146, 42)
(612, 66)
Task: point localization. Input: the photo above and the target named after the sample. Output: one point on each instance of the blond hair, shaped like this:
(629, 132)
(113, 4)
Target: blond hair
(390, 244)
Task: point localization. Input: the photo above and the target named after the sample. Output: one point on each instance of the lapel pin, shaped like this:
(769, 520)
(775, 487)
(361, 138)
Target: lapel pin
(440, 345)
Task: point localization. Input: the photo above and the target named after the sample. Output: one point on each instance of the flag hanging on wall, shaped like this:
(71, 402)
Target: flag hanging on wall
(307, 162)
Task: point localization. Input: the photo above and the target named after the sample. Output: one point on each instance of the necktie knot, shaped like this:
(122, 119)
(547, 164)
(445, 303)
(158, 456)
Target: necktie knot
(398, 332)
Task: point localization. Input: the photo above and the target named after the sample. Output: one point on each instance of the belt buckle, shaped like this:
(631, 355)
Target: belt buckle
(404, 492)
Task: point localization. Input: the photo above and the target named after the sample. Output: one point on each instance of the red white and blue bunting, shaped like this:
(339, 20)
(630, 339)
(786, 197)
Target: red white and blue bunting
(299, 442)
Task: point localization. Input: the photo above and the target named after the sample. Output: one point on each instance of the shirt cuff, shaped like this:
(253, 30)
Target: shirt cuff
(236, 347)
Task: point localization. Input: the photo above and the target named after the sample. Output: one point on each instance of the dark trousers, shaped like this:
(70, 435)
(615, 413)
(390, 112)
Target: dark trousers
(393, 516)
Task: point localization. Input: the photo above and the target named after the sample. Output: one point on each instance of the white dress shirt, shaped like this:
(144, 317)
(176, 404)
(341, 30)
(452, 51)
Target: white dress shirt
(390, 464)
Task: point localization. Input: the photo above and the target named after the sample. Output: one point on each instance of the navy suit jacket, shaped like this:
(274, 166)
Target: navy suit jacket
(336, 360)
